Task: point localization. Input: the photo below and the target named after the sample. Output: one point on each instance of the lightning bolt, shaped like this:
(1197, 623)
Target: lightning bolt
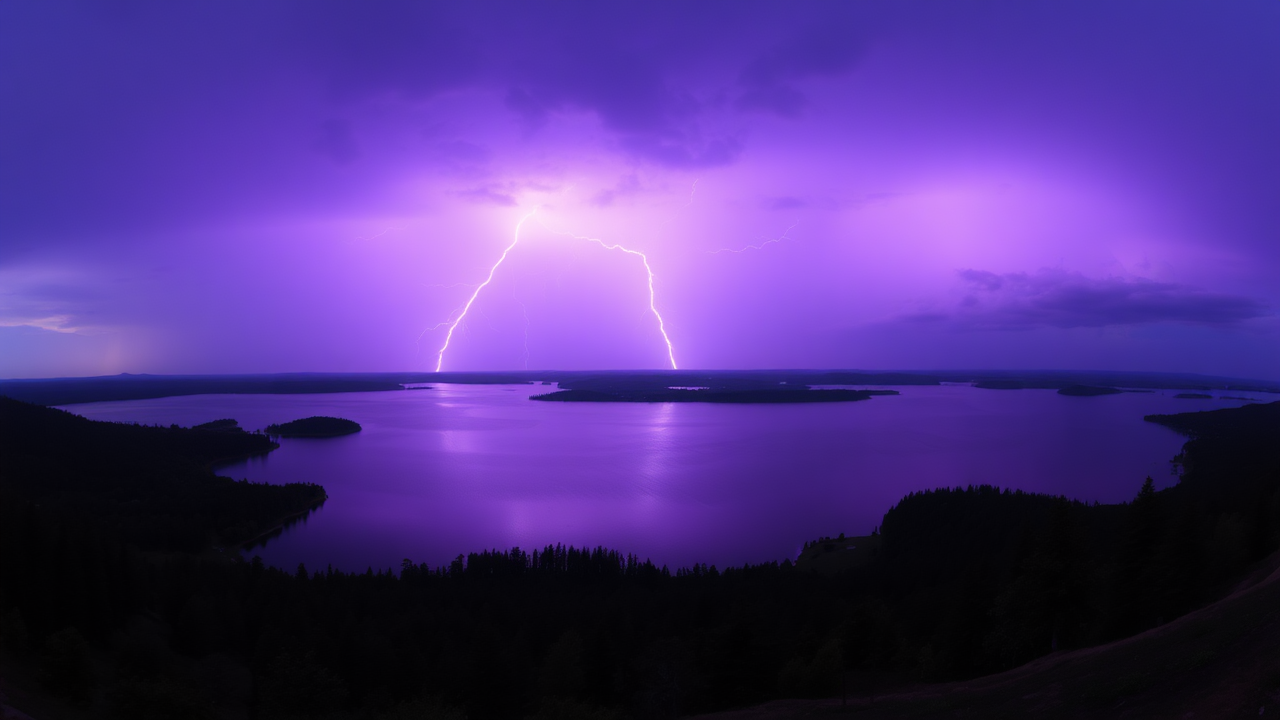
(454, 325)
(515, 240)
(438, 325)
(653, 307)
(692, 190)
(758, 246)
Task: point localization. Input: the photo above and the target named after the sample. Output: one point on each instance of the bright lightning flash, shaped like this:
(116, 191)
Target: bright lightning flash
(454, 326)
(653, 307)
(662, 328)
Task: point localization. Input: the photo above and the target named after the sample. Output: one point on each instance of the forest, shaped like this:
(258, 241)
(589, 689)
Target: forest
(123, 592)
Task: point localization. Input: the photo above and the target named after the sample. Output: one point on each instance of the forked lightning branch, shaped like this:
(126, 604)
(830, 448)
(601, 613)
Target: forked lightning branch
(515, 240)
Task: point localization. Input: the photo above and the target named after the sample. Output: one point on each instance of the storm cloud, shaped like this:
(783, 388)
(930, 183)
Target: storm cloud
(286, 185)
(1060, 299)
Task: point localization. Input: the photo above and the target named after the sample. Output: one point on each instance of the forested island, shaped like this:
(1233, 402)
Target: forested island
(709, 395)
(318, 426)
(123, 594)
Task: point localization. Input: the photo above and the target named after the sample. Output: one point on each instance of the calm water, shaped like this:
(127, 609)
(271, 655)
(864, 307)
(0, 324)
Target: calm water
(467, 467)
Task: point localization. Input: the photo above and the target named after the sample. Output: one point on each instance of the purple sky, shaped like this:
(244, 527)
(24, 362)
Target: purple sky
(309, 186)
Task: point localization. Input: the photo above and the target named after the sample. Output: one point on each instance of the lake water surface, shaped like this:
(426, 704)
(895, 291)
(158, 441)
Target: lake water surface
(461, 468)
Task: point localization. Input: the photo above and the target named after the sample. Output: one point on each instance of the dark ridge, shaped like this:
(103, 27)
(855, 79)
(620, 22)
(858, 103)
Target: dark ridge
(1087, 391)
(1193, 396)
(318, 426)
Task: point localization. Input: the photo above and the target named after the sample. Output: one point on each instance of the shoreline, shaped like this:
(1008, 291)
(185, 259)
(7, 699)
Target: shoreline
(280, 526)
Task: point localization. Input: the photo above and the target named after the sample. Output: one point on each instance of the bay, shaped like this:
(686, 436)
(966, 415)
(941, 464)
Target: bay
(462, 468)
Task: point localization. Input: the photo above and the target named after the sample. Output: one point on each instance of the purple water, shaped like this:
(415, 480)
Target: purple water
(462, 468)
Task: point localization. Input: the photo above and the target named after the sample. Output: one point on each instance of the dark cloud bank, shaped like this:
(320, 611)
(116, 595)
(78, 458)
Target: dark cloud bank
(1059, 299)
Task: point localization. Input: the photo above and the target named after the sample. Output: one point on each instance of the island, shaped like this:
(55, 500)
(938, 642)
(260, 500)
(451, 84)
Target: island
(1193, 396)
(710, 395)
(314, 427)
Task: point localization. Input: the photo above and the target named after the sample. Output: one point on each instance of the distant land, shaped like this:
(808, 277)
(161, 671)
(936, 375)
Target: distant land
(69, 391)
(1088, 390)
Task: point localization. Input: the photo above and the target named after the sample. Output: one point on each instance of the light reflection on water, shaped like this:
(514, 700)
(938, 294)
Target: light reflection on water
(456, 469)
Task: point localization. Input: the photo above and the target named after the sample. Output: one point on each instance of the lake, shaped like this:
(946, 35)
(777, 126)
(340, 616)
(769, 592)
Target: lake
(462, 468)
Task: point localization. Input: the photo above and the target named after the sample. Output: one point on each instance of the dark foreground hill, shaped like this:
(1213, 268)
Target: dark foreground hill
(149, 486)
(1222, 661)
(960, 584)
